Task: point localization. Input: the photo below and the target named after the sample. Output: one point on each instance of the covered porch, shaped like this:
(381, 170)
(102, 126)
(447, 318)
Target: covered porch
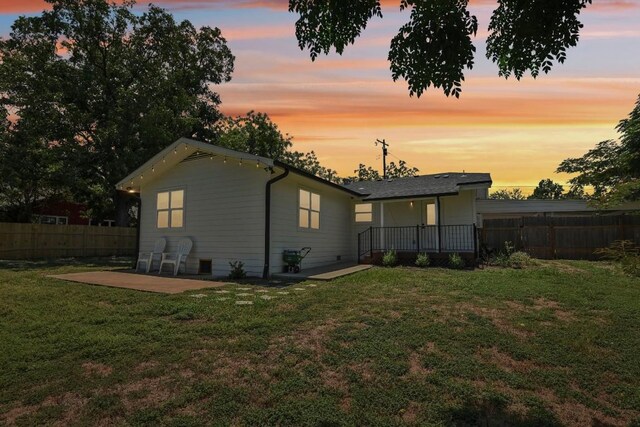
(433, 225)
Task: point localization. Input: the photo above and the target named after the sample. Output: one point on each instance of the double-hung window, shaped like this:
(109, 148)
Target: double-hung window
(170, 207)
(309, 210)
(364, 212)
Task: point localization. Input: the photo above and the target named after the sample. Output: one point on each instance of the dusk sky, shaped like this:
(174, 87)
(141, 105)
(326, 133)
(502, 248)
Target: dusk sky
(339, 105)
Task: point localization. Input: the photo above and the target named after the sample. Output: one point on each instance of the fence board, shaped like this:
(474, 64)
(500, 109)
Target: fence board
(560, 237)
(29, 241)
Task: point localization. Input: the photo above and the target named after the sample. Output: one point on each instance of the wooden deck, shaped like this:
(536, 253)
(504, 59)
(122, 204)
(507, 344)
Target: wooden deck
(324, 273)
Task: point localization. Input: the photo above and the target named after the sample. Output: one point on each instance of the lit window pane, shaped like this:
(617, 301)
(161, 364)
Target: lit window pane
(363, 217)
(176, 218)
(163, 219)
(163, 200)
(304, 199)
(177, 199)
(315, 220)
(431, 214)
(363, 207)
(304, 218)
(315, 202)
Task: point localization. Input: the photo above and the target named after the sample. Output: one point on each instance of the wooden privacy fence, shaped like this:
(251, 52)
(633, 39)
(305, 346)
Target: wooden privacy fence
(560, 237)
(29, 241)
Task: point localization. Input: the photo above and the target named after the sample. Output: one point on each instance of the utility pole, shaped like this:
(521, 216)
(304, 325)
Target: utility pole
(384, 157)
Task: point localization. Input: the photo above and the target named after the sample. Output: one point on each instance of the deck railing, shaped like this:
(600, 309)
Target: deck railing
(418, 238)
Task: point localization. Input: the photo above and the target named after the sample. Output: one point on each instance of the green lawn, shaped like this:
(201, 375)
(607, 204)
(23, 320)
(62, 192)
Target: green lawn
(556, 344)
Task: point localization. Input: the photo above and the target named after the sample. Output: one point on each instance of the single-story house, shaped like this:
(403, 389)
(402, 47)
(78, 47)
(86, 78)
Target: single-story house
(239, 207)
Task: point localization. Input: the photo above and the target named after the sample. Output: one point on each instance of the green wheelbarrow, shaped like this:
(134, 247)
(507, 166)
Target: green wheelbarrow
(293, 259)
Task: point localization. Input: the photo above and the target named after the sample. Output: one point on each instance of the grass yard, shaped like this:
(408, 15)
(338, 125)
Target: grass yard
(556, 344)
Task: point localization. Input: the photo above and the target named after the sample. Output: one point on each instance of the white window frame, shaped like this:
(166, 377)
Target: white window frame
(309, 211)
(57, 218)
(170, 209)
(362, 213)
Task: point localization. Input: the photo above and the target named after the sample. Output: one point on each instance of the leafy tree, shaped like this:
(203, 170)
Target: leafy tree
(367, 173)
(506, 194)
(310, 163)
(401, 170)
(253, 133)
(548, 190)
(111, 88)
(434, 48)
(28, 168)
(612, 168)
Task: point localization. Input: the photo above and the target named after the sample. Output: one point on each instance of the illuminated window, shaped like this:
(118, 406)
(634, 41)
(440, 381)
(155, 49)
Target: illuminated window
(309, 210)
(364, 212)
(170, 207)
(430, 213)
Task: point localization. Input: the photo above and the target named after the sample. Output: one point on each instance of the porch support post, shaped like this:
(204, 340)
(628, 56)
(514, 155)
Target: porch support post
(382, 243)
(438, 224)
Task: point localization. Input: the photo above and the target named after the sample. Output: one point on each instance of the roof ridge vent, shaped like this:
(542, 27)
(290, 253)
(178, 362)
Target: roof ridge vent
(445, 176)
(437, 176)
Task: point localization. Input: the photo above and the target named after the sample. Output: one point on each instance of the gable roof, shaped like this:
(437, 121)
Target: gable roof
(441, 184)
(180, 150)
(398, 188)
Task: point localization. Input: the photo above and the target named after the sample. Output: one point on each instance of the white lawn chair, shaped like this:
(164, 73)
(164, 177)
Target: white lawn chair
(148, 257)
(177, 258)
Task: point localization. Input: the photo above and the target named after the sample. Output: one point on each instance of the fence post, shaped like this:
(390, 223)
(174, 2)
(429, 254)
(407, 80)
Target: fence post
(620, 228)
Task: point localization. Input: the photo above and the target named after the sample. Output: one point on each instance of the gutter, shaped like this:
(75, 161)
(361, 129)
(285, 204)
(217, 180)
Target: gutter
(267, 221)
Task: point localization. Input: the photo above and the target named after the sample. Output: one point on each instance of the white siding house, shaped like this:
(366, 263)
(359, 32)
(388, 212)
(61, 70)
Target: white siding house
(240, 207)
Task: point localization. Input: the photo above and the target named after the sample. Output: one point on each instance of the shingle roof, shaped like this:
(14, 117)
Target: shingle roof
(419, 186)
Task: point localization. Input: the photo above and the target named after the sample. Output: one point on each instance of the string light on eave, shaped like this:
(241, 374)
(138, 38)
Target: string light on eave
(240, 163)
(257, 163)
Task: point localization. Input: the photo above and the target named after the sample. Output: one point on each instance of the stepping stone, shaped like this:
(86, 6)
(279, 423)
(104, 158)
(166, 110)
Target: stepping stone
(198, 295)
(298, 289)
(244, 294)
(244, 289)
(283, 293)
(244, 302)
(222, 299)
(312, 285)
(221, 292)
(267, 297)
(262, 290)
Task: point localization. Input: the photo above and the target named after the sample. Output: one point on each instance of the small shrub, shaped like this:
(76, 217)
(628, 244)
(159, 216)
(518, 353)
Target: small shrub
(456, 261)
(520, 259)
(501, 260)
(631, 265)
(390, 258)
(237, 270)
(422, 260)
(509, 248)
(624, 252)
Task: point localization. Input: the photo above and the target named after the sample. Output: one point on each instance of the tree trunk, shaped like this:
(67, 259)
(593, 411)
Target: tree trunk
(122, 209)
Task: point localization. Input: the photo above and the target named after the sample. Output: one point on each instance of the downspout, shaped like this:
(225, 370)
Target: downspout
(267, 222)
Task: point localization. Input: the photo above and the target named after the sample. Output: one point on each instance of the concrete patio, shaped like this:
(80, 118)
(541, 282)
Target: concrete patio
(139, 282)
